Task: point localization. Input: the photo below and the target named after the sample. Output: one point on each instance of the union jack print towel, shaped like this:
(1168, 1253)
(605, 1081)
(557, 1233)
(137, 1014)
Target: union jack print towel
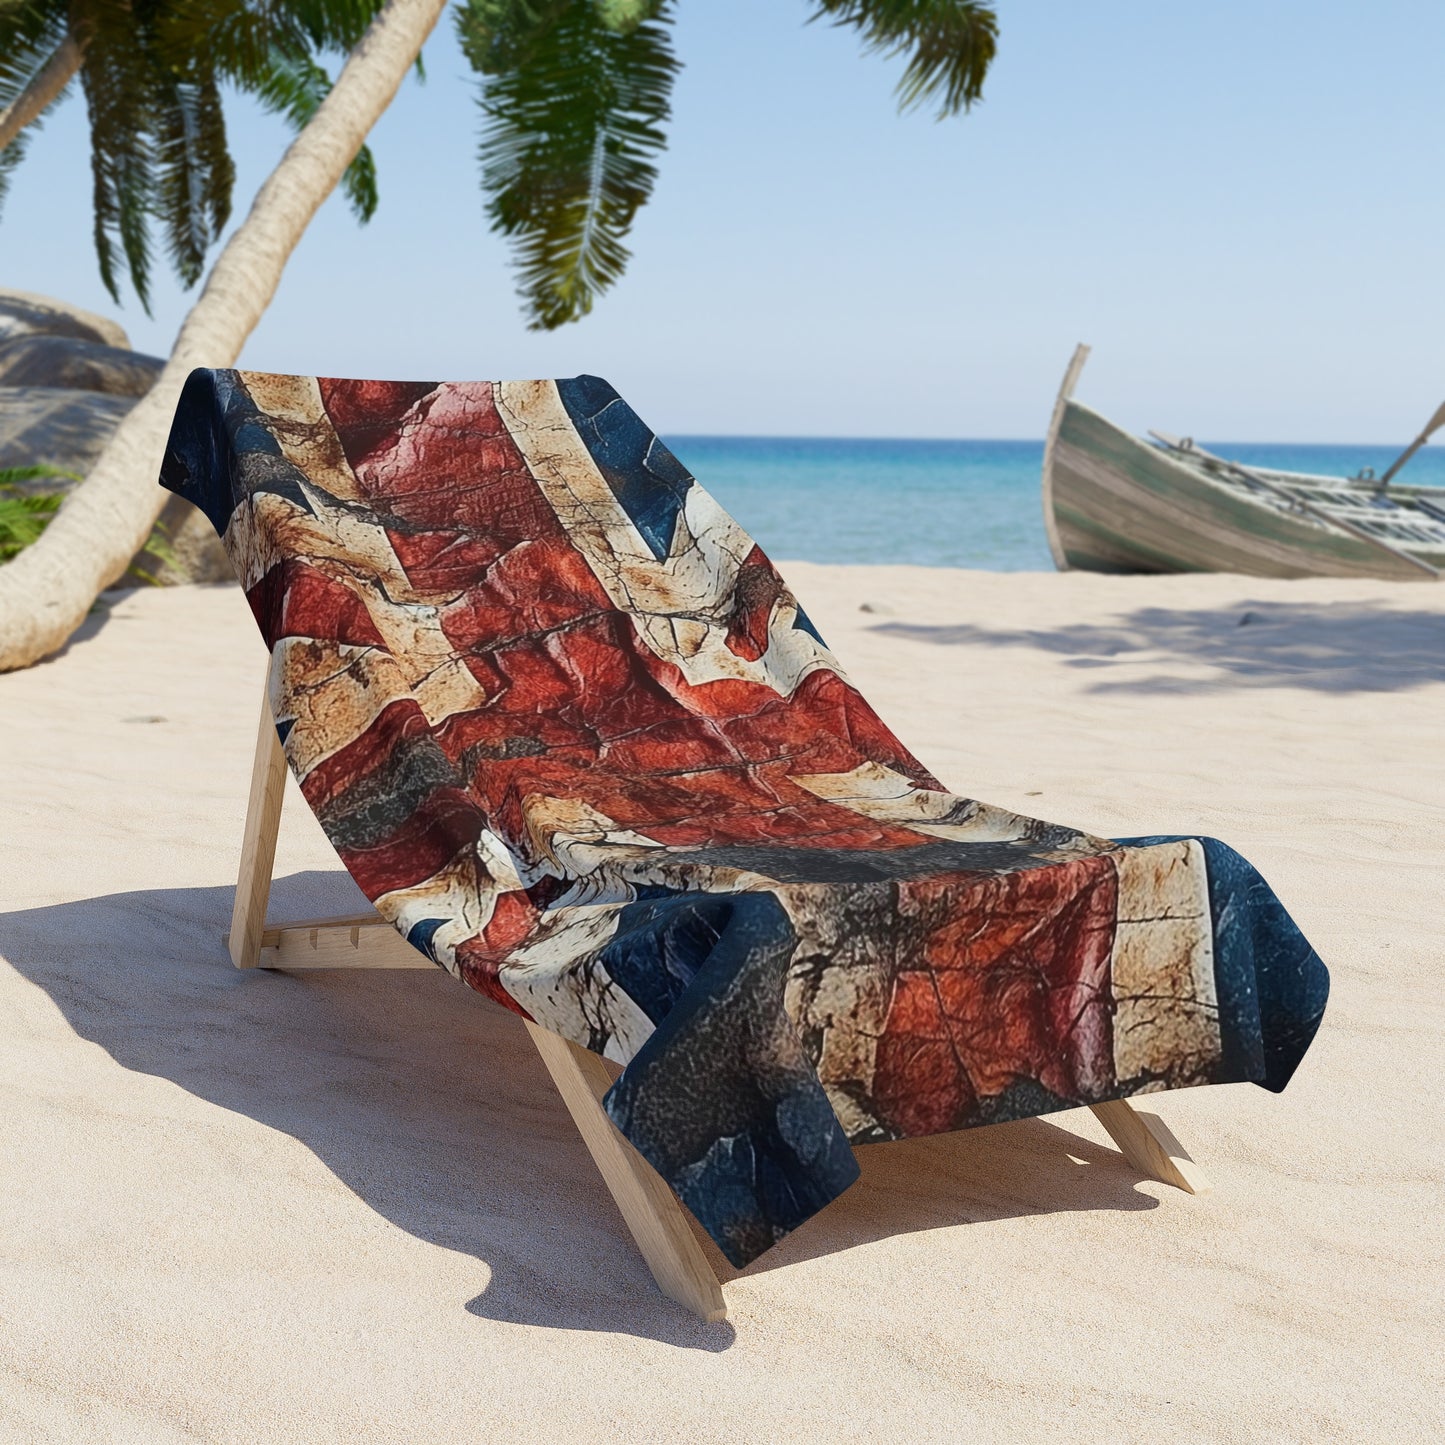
(572, 734)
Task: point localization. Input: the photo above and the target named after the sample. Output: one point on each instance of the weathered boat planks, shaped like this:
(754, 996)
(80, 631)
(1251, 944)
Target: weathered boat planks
(1116, 503)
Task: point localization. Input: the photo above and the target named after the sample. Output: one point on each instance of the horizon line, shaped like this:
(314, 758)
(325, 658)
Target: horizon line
(994, 441)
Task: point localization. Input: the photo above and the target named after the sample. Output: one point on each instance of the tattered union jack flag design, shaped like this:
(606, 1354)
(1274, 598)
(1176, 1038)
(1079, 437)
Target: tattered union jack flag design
(573, 735)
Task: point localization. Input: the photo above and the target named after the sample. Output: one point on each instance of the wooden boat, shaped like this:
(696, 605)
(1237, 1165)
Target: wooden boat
(1116, 503)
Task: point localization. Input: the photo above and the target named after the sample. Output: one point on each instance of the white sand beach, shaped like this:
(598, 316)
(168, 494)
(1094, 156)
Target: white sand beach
(350, 1207)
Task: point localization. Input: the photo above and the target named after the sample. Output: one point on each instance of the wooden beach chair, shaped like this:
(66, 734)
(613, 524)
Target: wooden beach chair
(570, 731)
(658, 1222)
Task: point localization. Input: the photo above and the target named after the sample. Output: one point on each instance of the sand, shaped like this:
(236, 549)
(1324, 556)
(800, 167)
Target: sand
(261, 1208)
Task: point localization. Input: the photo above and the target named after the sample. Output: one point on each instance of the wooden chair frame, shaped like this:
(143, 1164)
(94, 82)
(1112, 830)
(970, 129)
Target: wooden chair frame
(657, 1220)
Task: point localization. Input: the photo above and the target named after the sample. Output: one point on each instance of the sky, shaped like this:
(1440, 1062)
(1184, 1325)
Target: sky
(1237, 204)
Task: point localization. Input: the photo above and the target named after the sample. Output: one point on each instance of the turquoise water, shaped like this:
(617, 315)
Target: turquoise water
(935, 503)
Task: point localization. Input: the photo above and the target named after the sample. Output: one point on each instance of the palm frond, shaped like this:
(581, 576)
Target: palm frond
(194, 171)
(23, 515)
(293, 85)
(624, 14)
(950, 45)
(11, 477)
(268, 49)
(574, 95)
(30, 33)
(11, 157)
(238, 38)
(118, 78)
(29, 36)
(333, 24)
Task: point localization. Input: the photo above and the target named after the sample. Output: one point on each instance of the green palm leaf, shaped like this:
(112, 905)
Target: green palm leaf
(22, 520)
(29, 35)
(194, 173)
(25, 515)
(151, 73)
(574, 95)
(117, 75)
(949, 43)
(294, 85)
(268, 50)
(11, 157)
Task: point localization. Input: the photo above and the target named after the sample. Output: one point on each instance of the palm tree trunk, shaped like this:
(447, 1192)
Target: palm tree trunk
(47, 590)
(45, 85)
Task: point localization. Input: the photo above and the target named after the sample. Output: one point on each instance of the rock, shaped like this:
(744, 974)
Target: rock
(57, 426)
(22, 313)
(67, 361)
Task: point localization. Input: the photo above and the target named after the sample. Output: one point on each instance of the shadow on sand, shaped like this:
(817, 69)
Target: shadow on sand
(431, 1104)
(1321, 647)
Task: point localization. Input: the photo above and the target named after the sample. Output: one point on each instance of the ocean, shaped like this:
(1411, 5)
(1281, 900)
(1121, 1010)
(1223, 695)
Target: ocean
(935, 503)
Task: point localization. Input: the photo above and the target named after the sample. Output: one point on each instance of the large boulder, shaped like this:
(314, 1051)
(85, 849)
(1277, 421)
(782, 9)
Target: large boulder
(57, 426)
(22, 313)
(66, 361)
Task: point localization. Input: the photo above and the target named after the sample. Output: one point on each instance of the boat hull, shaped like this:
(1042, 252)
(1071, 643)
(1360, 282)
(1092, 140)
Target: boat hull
(1116, 504)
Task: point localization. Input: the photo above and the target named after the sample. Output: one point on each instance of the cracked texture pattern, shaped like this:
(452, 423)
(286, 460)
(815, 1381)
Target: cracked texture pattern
(572, 734)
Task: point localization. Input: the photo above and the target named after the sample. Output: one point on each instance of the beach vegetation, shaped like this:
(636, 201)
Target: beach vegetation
(25, 514)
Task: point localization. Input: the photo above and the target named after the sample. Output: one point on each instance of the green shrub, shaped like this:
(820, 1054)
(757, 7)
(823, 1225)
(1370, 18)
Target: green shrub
(25, 515)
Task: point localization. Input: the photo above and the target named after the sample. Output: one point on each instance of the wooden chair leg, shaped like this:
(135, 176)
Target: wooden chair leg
(650, 1209)
(1148, 1143)
(258, 847)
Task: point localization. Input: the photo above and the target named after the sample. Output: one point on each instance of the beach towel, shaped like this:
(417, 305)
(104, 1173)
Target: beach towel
(572, 734)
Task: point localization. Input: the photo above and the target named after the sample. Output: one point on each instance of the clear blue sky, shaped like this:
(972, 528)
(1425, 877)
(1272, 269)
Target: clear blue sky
(1239, 204)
